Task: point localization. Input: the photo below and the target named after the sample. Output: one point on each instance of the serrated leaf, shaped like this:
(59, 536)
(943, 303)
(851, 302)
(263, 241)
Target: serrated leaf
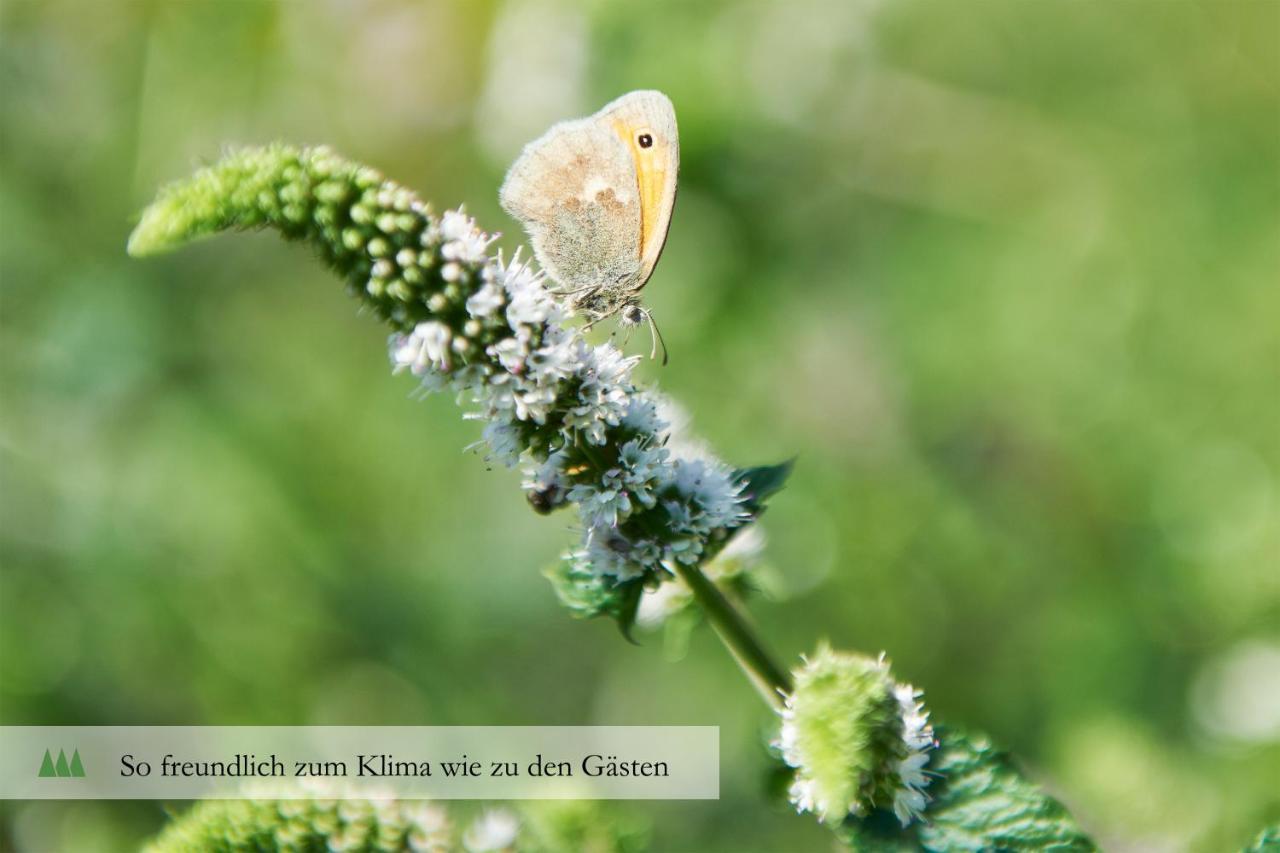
(980, 800)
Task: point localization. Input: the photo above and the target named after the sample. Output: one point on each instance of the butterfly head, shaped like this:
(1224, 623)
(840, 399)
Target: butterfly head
(632, 314)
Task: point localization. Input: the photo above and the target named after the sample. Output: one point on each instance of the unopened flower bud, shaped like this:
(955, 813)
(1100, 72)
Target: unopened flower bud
(856, 738)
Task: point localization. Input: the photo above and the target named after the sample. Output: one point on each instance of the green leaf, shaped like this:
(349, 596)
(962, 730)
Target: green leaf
(1268, 841)
(980, 801)
(588, 595)
(761, 483)
(627, 608)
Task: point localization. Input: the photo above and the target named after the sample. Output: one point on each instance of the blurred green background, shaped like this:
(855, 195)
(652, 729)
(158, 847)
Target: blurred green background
(1003, 274)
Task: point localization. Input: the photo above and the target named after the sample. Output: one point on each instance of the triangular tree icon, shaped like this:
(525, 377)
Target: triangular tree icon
(46, 766)
(77, 769)
(61, 766)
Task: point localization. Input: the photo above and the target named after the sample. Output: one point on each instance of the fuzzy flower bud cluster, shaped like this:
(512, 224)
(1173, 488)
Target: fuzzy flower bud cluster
(570, 413)
(324, 815)
(488, 330)
(334, 823)
(857, 739)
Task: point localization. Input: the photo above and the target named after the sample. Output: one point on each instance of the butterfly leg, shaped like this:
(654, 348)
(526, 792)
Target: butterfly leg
(585, 288)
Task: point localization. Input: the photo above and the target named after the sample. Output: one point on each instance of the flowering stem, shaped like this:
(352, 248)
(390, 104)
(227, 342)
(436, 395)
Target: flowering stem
(771, 680)
(487, 328)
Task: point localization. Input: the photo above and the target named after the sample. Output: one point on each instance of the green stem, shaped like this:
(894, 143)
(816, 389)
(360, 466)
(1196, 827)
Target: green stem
(739, 637)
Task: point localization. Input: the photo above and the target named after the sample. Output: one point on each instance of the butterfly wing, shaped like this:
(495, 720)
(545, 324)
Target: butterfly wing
(646, 122)
(574, 189)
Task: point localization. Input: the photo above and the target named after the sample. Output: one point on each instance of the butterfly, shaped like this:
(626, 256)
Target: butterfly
(595, 195)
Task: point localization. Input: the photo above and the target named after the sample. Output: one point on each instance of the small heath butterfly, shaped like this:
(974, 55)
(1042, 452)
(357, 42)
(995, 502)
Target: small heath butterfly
(595, 195)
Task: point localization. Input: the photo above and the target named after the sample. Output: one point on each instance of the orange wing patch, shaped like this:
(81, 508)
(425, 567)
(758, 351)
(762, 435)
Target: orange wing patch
(651, 182)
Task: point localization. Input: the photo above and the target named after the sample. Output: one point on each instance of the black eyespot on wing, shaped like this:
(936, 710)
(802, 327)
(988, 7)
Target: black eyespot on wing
(645, 140)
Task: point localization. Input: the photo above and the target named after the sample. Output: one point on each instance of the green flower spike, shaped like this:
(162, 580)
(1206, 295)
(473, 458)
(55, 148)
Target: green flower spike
(486, 328)
(333, 822)
(651, 507)
(320, 824)
(856, 738)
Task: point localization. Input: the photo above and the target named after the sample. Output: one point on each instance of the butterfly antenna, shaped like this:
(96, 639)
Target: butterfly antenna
(657, 339)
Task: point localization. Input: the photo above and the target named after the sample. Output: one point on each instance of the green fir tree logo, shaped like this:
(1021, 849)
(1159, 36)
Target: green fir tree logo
(61, 768)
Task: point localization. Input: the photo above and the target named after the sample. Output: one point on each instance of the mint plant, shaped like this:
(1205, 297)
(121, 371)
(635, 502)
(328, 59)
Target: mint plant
(655, 508)
(331, 822)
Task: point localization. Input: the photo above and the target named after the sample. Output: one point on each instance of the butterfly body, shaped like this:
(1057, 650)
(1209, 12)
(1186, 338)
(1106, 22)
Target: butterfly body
(596, 196)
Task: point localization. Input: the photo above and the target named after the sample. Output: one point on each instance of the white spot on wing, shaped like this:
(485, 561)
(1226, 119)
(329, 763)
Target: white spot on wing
(595, 185)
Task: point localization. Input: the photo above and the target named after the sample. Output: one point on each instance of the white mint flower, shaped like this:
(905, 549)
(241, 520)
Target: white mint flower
(406, 353)
(642, 415)
(495, 830)
(679, 514)
(497, 396)
(638, 468)
(456, 225)
(610, 553)
(553, 362)
(504, 442)
(540, 387)
(486, 300)
(917, 735)
(601, 507)
(713, 495)
(529, 306)
(510, 353)
(803, 794)
(535, 404)
(463, 241)
(604, 391)
(426, 347)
